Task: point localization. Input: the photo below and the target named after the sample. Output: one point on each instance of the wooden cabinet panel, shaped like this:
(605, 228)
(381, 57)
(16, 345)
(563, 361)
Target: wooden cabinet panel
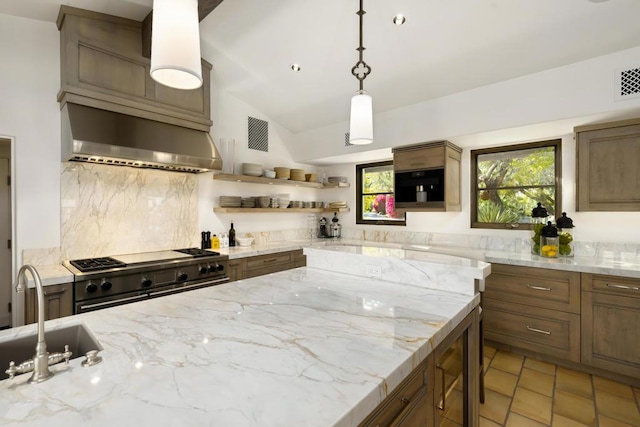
(552, 289)
(58, 302)
(237, 269)
(102, 66)
(433, 165)
(608, 177)
(550, 332)
(261, 261)
(611, 324)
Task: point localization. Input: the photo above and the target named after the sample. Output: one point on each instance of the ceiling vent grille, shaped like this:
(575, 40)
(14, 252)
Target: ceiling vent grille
(346, 140)
(258, 134)
(628, 83)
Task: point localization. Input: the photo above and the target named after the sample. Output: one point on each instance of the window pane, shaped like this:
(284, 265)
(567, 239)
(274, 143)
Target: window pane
(535, 166)
(380, 207)
(377, 180)
(513, 206)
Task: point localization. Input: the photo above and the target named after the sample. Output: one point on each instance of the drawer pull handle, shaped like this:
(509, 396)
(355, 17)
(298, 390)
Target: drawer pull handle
(538, 288)
(441, 405)
(404, 400)
(60, 291)
(540, 331)
(270, 260)
(631, 288)
(417, 164)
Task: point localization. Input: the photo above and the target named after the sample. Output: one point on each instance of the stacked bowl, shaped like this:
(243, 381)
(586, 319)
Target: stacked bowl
(282, 173)
(297, 175)
(251, 169)
(230, 201)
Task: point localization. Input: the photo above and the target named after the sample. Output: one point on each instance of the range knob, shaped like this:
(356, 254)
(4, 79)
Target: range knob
(212, 268)
(146, 282)
(219, 267)
(203, 270)
(183, 276)
(91, 287)
(106, 285)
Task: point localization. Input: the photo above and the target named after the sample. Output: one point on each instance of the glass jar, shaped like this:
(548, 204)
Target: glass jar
(539, 217)
(549, 241)
(565, 235)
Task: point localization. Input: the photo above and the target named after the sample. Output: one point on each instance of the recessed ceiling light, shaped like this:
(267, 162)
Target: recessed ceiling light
(399, 19)
(295, 67)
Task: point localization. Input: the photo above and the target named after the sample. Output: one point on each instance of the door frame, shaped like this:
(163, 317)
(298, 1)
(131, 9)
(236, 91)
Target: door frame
(17, 312)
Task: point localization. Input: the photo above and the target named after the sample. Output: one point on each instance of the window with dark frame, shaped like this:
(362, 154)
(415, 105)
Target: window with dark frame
(375, 202)
(507, 183)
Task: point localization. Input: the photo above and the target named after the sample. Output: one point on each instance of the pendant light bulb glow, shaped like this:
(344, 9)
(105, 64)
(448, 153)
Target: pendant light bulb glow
(361, 123)
(175, 44)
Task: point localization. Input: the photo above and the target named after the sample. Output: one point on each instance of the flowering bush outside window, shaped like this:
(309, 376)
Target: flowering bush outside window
(374, 195)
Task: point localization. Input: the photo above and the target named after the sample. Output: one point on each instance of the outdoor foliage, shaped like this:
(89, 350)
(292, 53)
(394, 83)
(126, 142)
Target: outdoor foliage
(381, 205)
(511, 183)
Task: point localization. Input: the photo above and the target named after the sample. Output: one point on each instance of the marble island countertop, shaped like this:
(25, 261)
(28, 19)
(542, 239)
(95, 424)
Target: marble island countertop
(626, 266)
(304, 347)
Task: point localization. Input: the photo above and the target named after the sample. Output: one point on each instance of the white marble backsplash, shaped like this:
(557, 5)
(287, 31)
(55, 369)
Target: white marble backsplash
(116, 210)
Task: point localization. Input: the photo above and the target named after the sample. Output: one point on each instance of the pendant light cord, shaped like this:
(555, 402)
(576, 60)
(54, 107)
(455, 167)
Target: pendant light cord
(361, 70)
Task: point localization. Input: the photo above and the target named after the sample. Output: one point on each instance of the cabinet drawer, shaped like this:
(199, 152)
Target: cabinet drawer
(299, 258)
(403, 395)
(426, 158)
(536, 329)
(552, 289)
(615, 285)
(268, 260)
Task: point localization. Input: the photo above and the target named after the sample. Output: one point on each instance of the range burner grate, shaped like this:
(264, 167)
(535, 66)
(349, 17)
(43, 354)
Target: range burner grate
(96, 264)
(197, 252)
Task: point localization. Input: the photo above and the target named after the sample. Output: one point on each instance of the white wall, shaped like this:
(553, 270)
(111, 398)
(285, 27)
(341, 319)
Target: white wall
(29, 112)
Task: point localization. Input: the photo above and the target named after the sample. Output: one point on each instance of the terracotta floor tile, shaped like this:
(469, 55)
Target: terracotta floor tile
(489, 351)
(500, 381)
(495, 406)
(560, 421)
(516, 420)
(532, 405)
(536, 381)
(613, 387)
(610, 422)
(540, 366)
(488, 423)
(448, 423)
(487, 363)
(507, 362)
(575, 407)
(616, 407)
(574, 382)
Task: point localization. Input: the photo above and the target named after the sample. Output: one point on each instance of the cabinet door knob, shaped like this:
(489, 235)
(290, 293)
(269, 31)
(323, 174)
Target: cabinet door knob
(404, 400)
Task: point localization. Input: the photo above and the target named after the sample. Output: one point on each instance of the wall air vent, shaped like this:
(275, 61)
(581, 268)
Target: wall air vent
(258, 134)
(346, 140)
(627, 83)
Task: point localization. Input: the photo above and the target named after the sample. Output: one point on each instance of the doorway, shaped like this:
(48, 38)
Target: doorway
(5, 234)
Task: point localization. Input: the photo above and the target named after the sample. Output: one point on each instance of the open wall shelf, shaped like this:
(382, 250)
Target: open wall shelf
(273, 181)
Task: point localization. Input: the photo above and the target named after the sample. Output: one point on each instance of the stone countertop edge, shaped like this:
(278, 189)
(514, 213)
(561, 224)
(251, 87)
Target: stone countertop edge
(299, 347)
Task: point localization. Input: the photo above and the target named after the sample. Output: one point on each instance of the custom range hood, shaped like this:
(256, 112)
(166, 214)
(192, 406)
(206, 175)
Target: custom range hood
(101, 136)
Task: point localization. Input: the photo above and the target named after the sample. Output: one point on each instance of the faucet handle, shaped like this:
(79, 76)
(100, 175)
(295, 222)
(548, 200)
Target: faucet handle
(12, 371)
(67, 354)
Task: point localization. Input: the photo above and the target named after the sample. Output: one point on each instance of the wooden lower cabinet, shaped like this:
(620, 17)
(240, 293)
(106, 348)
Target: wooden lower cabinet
(611, 323)
(535, 309)
(253, 266)
(58, 302)
(442, 390)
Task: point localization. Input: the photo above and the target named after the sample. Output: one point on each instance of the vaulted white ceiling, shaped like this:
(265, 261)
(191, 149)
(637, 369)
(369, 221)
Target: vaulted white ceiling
(445, 46)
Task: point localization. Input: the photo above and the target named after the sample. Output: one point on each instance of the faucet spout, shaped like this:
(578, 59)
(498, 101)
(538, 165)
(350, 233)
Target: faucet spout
(41, 370)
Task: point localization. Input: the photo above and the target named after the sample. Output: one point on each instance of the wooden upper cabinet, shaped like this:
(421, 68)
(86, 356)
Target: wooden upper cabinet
(433, 165)
(102, 66)
(608, 176)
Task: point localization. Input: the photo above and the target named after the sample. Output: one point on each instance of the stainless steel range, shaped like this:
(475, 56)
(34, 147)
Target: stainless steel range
(110, 281)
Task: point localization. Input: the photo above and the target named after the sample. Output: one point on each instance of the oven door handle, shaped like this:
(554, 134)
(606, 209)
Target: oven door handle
(113, 302)
(186, 288)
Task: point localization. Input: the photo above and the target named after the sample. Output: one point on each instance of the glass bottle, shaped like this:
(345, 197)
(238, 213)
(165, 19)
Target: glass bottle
(232, 236)
(549, 241)
(565, 235)
(539, 217)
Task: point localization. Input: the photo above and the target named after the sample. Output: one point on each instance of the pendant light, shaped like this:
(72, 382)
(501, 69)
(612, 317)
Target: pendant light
(361, 123)
(175, 44)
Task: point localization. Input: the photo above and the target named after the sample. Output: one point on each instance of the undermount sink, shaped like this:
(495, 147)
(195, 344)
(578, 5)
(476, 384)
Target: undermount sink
(78, 337)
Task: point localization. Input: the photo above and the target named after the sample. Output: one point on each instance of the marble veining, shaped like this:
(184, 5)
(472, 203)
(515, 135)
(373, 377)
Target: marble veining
(304, 347)
(112, 210)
